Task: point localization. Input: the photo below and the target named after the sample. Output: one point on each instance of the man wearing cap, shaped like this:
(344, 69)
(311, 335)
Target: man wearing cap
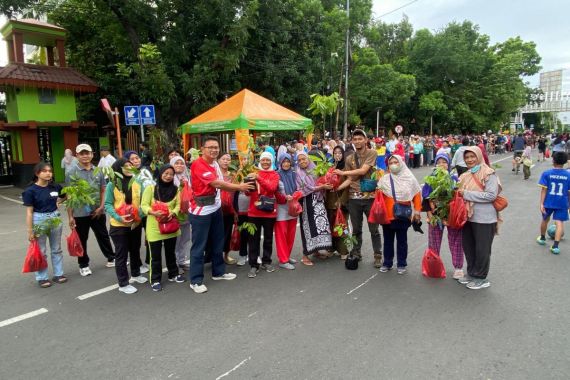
(106, 159)
(82, 219)
(358, 166)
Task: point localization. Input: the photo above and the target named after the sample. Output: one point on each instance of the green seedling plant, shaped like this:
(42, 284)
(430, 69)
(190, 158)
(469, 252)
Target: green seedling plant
(46, 226)
(249, 227)
(79, 193)
(322, 166)
(442, 193)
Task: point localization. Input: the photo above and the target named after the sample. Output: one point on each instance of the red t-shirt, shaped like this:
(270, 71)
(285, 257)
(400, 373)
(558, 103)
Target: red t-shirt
(202, 174)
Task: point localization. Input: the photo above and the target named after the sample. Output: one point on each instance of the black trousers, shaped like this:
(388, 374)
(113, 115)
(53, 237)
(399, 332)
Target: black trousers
(254, 241)
(477, 242)
(358, 208)
(156, 259)
(99, 227)
(127, 243)
(228, 225)
(243, 236)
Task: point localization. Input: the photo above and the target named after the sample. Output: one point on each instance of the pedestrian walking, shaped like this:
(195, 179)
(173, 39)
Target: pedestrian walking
(399, 187)
(90, 217)
(479, 187)
(125, 231)
(166, 193)
(44, 222)
(554, 187)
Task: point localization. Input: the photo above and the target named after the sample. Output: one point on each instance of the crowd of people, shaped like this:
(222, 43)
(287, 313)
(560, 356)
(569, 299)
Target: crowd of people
(194, 212)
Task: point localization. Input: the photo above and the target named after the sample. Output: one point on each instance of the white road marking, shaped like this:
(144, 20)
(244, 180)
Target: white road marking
(364, 283)
(8, 233)
(19, 318)
(12, 200)
(233, 369)
(252, 314)
(502, 159)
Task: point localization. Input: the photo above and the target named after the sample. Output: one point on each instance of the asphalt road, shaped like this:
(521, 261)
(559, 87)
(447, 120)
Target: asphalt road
(320, 322)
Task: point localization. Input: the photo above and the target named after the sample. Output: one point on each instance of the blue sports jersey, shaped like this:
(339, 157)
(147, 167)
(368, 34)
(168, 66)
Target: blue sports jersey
(557, 184)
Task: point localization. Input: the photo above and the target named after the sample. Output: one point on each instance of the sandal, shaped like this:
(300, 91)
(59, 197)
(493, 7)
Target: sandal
(59, 279)
(44, 283)
(305, 260)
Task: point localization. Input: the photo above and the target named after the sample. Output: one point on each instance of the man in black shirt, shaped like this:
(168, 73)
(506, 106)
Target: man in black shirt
(146, 156)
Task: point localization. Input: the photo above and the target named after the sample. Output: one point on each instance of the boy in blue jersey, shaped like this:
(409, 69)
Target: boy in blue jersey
(555, 185)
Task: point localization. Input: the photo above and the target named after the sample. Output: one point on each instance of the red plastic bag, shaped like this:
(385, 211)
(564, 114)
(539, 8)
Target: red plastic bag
(457, 212)
(378, 214)
(227, 202)
(235, 238)
(163, 209)
(130, 211)
(295, 208)
(547, 153)
(186, 196)
(330, 178)
(35, 260)
(74, 246)
(340, 227)
(432, 265)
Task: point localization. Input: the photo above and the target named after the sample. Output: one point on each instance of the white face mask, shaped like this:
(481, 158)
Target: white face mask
(395, 169)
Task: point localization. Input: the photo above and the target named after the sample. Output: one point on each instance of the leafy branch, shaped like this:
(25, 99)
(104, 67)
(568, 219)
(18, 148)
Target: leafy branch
(322, 166)
(46, 226)
(249, 227)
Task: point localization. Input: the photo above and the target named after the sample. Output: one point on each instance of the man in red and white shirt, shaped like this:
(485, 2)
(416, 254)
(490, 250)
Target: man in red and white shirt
(206, 215)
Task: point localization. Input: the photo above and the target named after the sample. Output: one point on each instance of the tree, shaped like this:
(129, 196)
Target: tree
(433, 104)
(324, 106)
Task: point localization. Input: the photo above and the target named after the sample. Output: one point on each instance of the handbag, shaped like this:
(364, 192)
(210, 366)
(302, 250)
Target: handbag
(265, 203)
(367, 185)
(401, 211)
(500, 203)
(167, 226)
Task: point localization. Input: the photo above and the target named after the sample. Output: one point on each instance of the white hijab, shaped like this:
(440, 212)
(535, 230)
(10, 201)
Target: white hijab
(406, 185)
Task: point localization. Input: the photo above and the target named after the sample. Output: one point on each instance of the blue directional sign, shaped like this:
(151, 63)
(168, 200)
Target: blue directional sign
(132, 115)
(147, 114)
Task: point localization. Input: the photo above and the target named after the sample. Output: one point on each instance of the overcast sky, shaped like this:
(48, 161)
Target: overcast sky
(546, 22)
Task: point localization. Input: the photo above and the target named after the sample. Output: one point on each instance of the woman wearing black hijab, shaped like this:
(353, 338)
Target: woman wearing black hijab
(165, 192)
(335, 199)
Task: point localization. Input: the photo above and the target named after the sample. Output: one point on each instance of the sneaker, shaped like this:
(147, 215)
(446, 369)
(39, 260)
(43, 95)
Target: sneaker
(156, 287)
(198, 288)
(179, 279)
(478, 284)
(540, 241)
(268, 268)
(252, 272)
(464, 280)
(59, 279)
(402, 270)
(85, 271)
(144, 269)
(458, 273)
(242, 260)
(225, 276)
(292, 261)
(139, 279)
(287, 266)
(555, 250)
(129, 289)
(44, 283)
(385, 269)
(110, 264)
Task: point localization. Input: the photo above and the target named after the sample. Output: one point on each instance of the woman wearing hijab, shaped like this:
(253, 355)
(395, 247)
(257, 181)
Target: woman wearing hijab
(228, 210)
(479, 186)
(125, 231)
(67, 161)
(401, 187)
(314, 224)
(182, 249)
(337, 199)
(267, 184)
(166, 192)
(285, 225)
(435, 232)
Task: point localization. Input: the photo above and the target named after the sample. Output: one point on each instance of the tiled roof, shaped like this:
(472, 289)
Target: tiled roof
(23, 74)
(32, 21)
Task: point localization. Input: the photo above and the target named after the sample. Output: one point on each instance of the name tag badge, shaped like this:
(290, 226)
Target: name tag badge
(54, 194)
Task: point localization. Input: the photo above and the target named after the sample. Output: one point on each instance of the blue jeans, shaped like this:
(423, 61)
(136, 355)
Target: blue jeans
(54, 243)
(396, 230)
(207, 230)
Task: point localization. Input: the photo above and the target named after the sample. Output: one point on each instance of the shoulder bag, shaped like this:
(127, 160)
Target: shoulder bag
(367, 185)
(401, 211)
(500, 203)
(167, 226)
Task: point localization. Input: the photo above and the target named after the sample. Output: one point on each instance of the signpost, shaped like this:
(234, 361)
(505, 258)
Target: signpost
(398, 129)
(140, 115)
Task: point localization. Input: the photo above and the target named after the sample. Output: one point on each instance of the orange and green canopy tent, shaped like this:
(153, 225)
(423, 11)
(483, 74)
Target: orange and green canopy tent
(247, 111)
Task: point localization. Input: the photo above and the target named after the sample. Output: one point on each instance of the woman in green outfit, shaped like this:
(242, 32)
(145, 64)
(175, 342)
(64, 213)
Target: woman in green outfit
(166, 192)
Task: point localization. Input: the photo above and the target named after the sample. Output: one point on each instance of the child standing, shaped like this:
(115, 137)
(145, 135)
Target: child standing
(40, 200)
(555, 185)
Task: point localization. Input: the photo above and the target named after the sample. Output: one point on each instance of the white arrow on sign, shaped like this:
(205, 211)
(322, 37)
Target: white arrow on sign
(146, 112)
(131, 113)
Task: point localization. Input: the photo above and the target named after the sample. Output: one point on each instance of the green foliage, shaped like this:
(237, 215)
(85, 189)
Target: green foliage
(249, 227)
(442, 193)
(349, 241)
(46, 226)
(79, 193)
(324, 106)
(322, 166)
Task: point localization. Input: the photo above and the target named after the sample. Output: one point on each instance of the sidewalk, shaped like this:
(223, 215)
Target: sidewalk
(12, 193)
